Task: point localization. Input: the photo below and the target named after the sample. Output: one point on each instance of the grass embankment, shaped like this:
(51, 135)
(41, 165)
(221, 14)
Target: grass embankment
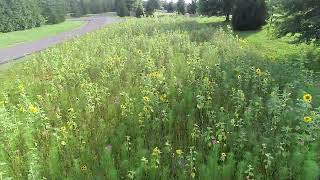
(167, 98)
(17, 37)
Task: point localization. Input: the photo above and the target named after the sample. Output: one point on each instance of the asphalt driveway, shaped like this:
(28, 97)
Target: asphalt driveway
(24, 49)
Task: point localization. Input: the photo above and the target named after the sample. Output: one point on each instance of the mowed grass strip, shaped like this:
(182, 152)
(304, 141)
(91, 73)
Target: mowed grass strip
(17, 37)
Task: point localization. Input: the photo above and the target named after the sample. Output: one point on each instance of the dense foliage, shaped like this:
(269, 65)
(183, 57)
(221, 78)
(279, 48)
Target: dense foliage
(249, 14)
(301, 18)
(159, 99)
(170, 7)
(53, 10)
(151, 6)
(19, 15)
(181, 7)
(192, 7)
(139, 9)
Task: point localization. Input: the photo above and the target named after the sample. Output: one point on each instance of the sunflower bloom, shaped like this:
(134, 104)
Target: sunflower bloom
(163, 98)
(84, 168)
(146, 99)
(33, 109)
(307, 98)
(179, 152)
(307, 119)
(258, 71)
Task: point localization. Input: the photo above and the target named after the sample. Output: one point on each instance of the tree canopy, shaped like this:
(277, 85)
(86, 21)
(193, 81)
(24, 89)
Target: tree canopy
(300, 18)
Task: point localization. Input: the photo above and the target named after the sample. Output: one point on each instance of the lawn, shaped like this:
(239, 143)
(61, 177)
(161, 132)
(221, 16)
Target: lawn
(161, 98)
(17, 37)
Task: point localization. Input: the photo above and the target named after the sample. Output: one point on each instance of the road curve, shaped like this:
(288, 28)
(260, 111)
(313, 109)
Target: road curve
(24, 49)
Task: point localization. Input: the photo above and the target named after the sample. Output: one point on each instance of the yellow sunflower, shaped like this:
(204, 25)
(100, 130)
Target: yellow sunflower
(307, 98)
(307, 119)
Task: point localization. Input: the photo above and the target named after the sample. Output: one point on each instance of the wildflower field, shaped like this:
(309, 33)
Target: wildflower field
(159, 98)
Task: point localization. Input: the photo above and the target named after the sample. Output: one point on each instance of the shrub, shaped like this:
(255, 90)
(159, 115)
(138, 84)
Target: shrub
(53, 11)
(181, 7)
(122, 9)
(300, 18)
(139, 9)
(249, 14)
(19, 15)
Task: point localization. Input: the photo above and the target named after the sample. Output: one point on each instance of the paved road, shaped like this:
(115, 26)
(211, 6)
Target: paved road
(23, 49)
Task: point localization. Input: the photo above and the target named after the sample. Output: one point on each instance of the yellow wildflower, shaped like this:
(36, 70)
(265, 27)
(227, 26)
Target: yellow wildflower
(146, 99)
(33, 109)
(307, 98)
(156, 74)
(163, 98)
(258, 71)
(179, 152)
(84, 168)
(63, 143)
(63, 128)
(156, 152)
(307, 119)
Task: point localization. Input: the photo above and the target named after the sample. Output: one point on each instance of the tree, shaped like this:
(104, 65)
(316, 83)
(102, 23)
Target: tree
(249, 14)
(192, 7)
(227, 8)
(122, 8)
(210, 7)
(53, 11)
(19, 15)
(151, 6)
(170, 7)
(300, 18)
(139, 9)
(181, 7)
(74, 8)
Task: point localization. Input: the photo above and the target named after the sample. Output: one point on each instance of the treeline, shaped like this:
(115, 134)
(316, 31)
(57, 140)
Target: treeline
(25, 14)
(287, 17)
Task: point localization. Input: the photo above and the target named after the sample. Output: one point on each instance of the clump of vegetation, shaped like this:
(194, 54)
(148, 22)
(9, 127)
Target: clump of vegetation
(249, 15)
(159, 99)
(19, 15)
(299, 18)
(181, 7)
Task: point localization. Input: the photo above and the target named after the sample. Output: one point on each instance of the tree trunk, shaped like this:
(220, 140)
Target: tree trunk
(228, 17)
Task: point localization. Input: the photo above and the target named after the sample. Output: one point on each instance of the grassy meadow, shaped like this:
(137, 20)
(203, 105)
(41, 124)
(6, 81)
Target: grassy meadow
(17, 37)
(163, 98)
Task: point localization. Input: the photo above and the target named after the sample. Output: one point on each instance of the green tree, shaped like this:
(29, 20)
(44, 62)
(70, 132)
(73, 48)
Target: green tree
(227, 8)
(74, 8)
(300, 18)
(249, 14)
(192, 7)
(170, 7)
(139, 9)
(151, 6)
(53, 11)
(181, 7)
(122, 8)
(19, 15)
(210, 7)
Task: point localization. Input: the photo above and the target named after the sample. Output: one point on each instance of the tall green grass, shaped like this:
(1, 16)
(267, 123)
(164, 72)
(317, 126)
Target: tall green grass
(161, 98)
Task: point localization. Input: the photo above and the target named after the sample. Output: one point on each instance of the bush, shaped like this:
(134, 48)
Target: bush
(122, 9)
(139, 9)
(181, 7)
(19, 15)
(53, 11)
(249, 14)
(162, 98)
